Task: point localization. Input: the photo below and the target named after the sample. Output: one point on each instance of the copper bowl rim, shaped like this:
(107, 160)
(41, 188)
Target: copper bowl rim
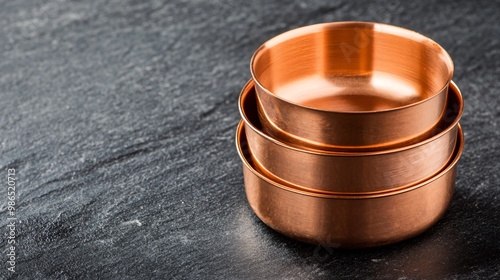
(451, 164)
(382, 28)
(308, 150)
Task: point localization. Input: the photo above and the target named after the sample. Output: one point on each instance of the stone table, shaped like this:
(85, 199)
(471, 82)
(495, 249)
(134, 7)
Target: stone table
(118, 118)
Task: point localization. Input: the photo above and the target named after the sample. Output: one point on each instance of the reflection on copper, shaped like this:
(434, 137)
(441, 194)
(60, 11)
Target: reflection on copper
(362, 220)
(353, 172)
(351, 86)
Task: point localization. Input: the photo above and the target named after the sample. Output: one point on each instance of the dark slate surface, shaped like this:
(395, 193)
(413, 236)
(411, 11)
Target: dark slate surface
(119, 118)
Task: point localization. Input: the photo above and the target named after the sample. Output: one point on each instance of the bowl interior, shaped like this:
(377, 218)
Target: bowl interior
(352, 66)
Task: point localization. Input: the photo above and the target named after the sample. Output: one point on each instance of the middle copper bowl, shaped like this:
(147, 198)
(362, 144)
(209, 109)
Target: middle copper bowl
(352, 172)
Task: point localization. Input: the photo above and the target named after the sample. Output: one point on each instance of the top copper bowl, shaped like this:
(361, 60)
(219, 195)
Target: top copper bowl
(351, 85)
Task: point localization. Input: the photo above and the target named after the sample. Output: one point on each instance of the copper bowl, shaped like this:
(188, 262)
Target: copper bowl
(347, 220)
(348, 86)
(350, 172)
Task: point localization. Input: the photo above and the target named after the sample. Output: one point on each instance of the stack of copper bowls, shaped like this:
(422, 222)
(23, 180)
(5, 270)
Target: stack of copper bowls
(350, 133)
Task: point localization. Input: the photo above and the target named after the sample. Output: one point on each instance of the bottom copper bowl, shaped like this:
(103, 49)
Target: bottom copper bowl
(362, 220)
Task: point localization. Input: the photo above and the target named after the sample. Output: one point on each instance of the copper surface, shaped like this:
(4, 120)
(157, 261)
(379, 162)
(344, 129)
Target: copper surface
(353, 172)
(351, 85)
(347, 220)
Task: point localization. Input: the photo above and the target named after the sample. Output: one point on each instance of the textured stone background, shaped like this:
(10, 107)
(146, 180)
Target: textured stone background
(119, 117)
